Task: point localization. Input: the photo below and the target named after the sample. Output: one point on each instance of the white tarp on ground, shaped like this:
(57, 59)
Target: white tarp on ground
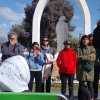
(14, 74)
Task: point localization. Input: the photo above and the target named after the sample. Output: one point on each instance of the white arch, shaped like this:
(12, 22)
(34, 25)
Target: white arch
(39, 11)
(87, 17)
(37, 20)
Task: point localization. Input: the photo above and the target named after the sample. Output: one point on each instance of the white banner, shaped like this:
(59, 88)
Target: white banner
(14, 74)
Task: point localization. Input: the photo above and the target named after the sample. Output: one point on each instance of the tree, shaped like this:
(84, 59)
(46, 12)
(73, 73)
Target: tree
(74, 40)
(23, 37)
(50, 17)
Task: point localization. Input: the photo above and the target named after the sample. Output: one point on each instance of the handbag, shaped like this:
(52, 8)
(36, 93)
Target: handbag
(87, 65)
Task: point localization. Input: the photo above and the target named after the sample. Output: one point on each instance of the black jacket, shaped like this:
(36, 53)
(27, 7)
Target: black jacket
(96, 37)
(6, 52)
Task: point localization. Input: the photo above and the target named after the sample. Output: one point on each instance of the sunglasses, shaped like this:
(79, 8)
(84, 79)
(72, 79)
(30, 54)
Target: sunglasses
(45, 40)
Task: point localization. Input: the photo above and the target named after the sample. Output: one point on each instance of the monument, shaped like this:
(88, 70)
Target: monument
(38, 14)
(86, 16)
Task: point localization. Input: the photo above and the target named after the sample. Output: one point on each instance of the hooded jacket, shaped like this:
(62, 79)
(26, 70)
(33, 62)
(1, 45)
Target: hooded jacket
(66, 61)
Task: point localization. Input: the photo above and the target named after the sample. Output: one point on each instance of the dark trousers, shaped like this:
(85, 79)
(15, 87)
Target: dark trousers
(47, 87)
(38, 80)
(96, 73)
(96, 80)
(64, 78)
(85, 91)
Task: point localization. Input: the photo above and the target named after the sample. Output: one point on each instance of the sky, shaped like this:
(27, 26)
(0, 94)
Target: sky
(12, 12)
(77, 20)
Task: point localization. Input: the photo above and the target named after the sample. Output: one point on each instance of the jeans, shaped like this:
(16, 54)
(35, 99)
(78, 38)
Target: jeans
(38, 80)
(96, 73)
(47, 88)
(96, 80)
(64, 78)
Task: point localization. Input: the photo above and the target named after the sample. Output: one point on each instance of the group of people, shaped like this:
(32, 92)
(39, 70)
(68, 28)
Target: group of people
(85, 63)
(40, 60)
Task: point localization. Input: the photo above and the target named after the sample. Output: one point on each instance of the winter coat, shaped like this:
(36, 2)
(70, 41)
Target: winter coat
(8, 50)
(66, 61)
(96, 37)
(35, 62)
(86, 54)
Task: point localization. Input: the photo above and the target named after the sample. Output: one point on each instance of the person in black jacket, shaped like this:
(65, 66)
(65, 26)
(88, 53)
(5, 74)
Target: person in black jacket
(11, 47)
(96, 36)
(96, 43)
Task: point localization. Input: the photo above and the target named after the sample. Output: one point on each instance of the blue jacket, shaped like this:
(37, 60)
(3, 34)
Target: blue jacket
(35, 62)
(46, 50)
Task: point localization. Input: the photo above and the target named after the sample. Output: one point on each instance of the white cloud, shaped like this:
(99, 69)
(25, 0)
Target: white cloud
(10, 15)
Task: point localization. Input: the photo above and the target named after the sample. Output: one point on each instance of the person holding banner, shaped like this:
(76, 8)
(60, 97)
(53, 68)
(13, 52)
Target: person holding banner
(47, 68)
(35, 60)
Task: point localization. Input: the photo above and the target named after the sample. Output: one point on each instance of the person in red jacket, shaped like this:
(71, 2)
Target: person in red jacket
(66, 62)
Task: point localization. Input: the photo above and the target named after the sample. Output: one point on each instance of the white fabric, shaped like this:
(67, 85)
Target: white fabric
(47, 68)
(14, 74)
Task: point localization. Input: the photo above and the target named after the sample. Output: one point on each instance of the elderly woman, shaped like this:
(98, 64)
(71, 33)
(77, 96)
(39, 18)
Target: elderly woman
(85, 72)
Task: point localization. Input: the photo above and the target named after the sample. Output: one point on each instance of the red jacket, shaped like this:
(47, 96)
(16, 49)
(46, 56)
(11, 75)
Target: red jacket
(66, 61)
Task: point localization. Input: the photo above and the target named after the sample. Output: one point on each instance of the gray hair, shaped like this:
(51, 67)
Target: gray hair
(11, 34)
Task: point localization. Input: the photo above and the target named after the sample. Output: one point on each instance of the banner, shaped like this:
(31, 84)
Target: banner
(14, 74)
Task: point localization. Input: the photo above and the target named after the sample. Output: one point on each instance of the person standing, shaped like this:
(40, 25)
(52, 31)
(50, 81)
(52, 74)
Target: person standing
(85, 71)
(66, 62)
(48, 57)
(91, 39)
(35, 60)
(96, 43)
(11, 47)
